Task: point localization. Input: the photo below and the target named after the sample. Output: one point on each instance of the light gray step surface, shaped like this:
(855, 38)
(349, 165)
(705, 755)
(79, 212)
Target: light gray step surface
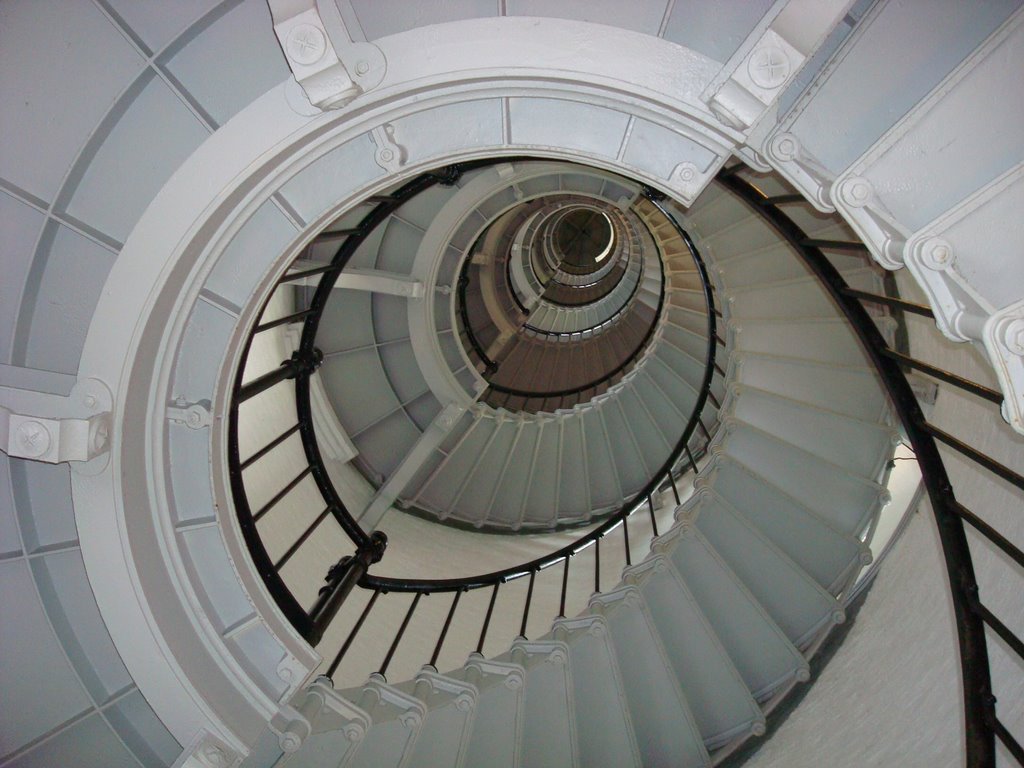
(825, 339)
(549, 717)
(722, 705)
(861, 446)
(450, 708)
(498, 717)
(396, 718)
(802, 296)
(846, 92)
(666, 732)
(603, 724)
(849, 501)
(757, 647)
(823, 551)
(796, 602)
(850, 389)
(970, 115)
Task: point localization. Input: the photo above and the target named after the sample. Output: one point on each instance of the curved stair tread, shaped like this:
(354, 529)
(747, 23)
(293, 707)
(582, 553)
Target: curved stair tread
(605, 731)
(757, 646)
(847, 389)
(848, 499)
(822, 550)
(862, 447)
(796, 602)
(549, 719)
(666, 732)
(721, 702)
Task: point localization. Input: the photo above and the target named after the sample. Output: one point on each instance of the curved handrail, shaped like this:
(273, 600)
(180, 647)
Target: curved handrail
(663, 475)
(979, 702)
(351, 570)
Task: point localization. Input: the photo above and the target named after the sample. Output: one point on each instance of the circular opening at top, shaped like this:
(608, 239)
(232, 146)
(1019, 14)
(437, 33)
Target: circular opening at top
(584, 238)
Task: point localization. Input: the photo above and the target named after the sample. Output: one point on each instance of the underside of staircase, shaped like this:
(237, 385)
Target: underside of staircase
(511, 384)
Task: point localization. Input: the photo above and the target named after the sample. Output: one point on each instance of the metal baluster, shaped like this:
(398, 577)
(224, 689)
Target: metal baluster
(625, 538)
(693, 461)
(654, 521)
(341, 578)
(294, 366)
(487, 618)
(565, 585)
(526, 607)
(597, 564)
(675, 491)
(444, 629)
(401, 631)
(352, 635)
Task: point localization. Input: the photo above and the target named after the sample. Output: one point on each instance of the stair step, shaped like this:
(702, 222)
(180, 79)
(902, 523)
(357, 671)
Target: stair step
(849, 501)
(397, 718)
(605, 732)
(846, 92)
(721, 702)
(825, 339)
(757, 647)
(549, 723)
(794, 297)
(822, 550)
(846, 389)
(498, 718)
(797, 603)
(862, 447)
(957, 119)
(666, 732)
(444, 735)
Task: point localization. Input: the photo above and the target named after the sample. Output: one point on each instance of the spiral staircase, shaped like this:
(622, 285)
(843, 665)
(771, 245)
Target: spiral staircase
(634, 416)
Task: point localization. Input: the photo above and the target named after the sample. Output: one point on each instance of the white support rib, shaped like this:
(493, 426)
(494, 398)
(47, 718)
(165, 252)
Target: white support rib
(379, 281)
(428, 442)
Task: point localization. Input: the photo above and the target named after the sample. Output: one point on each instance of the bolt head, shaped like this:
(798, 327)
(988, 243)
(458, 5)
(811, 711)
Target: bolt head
(305, 44)
(1013, 336)
(362, 67)
(33, 439)
(787, 148)
(768, 67)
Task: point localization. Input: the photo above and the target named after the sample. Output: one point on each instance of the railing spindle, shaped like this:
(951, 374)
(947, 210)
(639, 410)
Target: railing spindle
(269, 446)
(398, 636)
(675, 490)
(565, 586)
(693, 462)
(352, 635)
(444, 629)
(597, 565)
(625, 538)
(1012, 745)
(526, 606)
(301, 540)
(487, 618)
(654, 520)
(294, 366)
(942, 375)
(282, 493)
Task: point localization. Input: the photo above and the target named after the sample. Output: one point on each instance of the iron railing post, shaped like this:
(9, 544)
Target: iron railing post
(341, 578)
(301, 362)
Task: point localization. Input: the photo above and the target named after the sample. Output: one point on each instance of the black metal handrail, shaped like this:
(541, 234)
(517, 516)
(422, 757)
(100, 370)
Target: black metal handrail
(983, 726)
(664, 478)
(351, 570)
